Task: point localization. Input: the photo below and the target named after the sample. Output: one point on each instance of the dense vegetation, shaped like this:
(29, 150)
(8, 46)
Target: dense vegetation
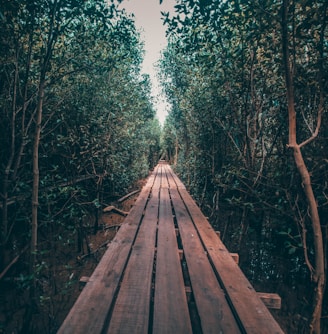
(77, 128)
(247, 81)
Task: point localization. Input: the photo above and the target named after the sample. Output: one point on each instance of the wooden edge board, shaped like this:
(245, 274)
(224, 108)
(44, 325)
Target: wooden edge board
(177, 181)
(132, 307)
(252, 313)
(171, 313)
(171, 181)
(164, 183)
(89, 313)
(270, 300)
(213, 309)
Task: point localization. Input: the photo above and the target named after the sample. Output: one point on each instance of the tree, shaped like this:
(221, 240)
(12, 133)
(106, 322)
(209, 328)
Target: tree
(76, 118)
(318, 268)
(225, 78)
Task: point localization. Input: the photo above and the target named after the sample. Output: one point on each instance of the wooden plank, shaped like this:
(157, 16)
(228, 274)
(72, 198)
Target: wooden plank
(252, 314)
(109, 304)
(132, 307)
(235, 257)
(177, 181)
(270, 300)
(89, 313)
(83, 281)
(170, 177)
(213, 309)
(171, 313)
(163, 176)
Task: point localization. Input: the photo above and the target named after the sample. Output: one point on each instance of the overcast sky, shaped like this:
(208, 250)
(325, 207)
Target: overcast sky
(148, 20)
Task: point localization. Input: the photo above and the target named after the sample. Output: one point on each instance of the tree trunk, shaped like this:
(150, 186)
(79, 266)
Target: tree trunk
(176, 152)
(36, 176)
(8, 168)
(44, 64)
(318, 270)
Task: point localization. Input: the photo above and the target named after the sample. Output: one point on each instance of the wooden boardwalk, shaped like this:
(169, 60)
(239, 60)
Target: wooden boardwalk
(167, 271)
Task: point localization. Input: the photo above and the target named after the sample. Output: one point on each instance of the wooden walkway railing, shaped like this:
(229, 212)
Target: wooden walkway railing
(167, 271)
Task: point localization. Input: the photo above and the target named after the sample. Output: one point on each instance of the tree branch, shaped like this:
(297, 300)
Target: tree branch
(316, 132)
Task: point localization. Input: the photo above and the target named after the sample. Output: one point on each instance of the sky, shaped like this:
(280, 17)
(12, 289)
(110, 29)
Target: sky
(148, 21)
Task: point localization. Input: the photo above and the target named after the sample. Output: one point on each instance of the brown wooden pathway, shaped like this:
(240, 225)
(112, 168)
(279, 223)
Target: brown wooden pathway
(167, 271)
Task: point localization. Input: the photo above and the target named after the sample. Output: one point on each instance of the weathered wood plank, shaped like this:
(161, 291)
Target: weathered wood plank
(165, 183)
(213, 309)
(177, 181)
(235, 257)
(118, 296)
(171, 313)
(270, 300)
(170, 177)
(83, 281)
(252, 314)
(90, 311)
(132, 306)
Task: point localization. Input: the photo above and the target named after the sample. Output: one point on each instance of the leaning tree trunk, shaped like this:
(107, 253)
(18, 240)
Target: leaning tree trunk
(318, 269)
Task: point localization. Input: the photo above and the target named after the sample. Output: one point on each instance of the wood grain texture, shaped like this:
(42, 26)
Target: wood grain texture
(171, 313)
(90, 311)
(138, 286)
(253, 316)
(132, 307)
(213, 309)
